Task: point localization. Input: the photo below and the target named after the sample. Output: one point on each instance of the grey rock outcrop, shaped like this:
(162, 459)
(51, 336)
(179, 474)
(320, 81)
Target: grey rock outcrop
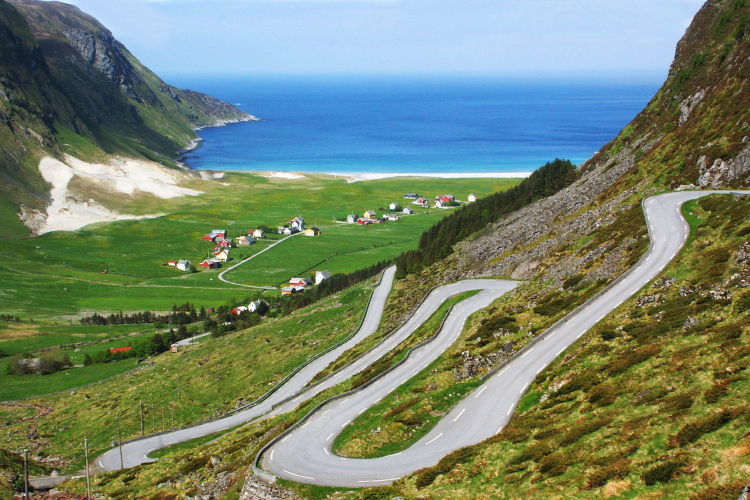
(256, 489)
(722, 173)
(689, 105)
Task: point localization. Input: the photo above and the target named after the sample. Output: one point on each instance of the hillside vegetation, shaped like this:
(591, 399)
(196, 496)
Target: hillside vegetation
(67, 86)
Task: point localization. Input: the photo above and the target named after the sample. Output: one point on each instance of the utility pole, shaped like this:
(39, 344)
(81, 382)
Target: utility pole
(162, 419)
(119, 441)
(88, 472)
(143, 422)
(26, 474)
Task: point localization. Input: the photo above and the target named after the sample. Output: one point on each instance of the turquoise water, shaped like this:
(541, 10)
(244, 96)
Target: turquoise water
(412, 125)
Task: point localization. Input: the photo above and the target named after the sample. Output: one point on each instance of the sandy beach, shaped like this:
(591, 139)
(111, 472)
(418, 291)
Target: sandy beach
(358, 177)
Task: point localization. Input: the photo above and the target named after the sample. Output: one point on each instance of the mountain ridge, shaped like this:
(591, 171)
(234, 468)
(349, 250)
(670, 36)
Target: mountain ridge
(68, 86)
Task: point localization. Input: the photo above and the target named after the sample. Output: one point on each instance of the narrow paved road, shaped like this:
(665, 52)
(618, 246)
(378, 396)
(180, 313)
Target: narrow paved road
(292, 393)
(305, 454)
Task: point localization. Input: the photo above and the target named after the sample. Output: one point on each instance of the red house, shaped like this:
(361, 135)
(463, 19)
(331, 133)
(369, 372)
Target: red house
(120, 349)
(447, 198)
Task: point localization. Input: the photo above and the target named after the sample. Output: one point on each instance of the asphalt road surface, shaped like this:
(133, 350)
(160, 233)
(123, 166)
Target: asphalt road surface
(293, 392)
(305, 454)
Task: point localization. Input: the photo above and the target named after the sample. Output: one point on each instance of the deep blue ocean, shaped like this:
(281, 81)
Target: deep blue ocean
(412, 125)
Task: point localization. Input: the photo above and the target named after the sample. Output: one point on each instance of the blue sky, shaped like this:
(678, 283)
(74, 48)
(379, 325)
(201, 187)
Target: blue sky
(587, 38)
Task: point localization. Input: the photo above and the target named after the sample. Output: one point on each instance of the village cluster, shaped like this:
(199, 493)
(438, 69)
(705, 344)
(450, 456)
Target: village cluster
(222, 251)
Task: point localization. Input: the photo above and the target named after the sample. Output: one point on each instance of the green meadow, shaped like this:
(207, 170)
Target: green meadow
(60, 275)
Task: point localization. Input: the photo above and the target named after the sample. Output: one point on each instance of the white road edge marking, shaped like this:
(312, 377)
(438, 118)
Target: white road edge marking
(346, 423)
(379, 480)
(434, 439)
(459, 415)
(272, 451)
(525, 387)
(329, 437)
(297, 475)
(511, 409)
(480, 392)
(324, 449)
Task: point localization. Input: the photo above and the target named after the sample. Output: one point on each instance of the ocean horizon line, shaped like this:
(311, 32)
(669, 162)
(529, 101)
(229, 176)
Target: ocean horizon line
(371, 176)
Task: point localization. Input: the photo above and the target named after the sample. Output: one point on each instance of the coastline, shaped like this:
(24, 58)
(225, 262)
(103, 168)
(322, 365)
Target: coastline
(360, 177)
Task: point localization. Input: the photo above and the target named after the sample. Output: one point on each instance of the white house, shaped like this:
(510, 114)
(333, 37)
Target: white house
(183, 265)
(395, 206)
(290, 231)
(352, 219)
(392, 217)
(408, 211)
(320, 276)
(298, 222)
(254, 305)
(472, 197)
(300, 282)
(258, 233)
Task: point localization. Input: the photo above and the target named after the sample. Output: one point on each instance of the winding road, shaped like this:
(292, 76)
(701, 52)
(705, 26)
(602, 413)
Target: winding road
(304, 454)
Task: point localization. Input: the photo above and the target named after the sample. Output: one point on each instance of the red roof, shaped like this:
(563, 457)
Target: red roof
(120, 349)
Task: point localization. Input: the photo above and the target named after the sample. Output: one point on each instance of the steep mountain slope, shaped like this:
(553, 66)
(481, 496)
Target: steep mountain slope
(68, 86)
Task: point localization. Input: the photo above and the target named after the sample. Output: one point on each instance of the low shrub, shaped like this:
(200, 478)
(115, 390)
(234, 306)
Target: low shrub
(721, 492)
(716, 392)
(616, 470)
(401, 408)
(554, 465)
(534, 452)
(693, 431)
(678, 402)
(662, 473)
(608, 335)
(379, 493)
(426, 477)
(583, 429)
(627, 360)
(581, 382)
(410, 420)
(603, 394)
(572, 281)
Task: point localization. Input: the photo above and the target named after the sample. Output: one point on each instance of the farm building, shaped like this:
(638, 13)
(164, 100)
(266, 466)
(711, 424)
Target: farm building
(352, 219)
(420, 201)
(223, 254)
(174, 348)
(292, 289)
(370, 214)
(472, 197)
(298, 222)
(321, 276)
(364, 222)
(120, 349)
(257, 234)
(245, 240)
(172, 263)
(216, 233)
(394, 206)
(256, 305)
(290, 231)
(211, 264)
(408, 211)
(411, 196)
(392, 217)
(183, 265)
(440, 204)
(300, 282)
(312, 231)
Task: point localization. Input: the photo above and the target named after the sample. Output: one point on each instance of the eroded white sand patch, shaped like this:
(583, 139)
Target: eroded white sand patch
(283, 175)
(68, 212)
